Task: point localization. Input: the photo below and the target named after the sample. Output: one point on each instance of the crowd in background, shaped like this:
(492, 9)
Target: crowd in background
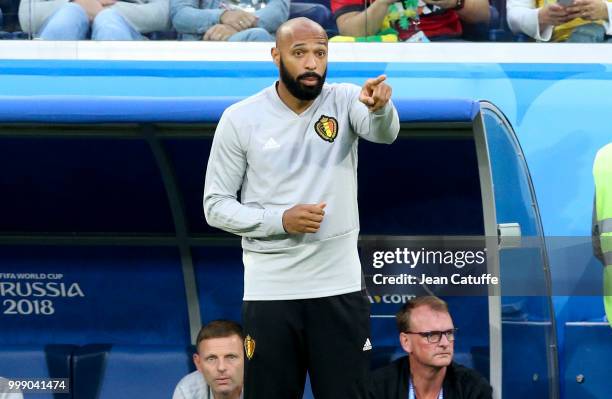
(344, 20)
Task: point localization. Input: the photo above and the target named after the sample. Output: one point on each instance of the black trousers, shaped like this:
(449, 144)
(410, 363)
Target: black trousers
(328, 337)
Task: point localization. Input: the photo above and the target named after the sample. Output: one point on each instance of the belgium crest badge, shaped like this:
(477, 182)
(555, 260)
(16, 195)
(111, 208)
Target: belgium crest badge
(249, 347)
(327, 128)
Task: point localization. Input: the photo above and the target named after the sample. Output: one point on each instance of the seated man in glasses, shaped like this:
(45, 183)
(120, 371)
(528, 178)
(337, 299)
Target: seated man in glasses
(427, 334)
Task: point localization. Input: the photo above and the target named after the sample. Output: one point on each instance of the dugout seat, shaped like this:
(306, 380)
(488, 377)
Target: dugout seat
(128, 372)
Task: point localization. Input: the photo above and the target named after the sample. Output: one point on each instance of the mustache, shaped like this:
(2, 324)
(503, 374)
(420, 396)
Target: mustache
(310, 75)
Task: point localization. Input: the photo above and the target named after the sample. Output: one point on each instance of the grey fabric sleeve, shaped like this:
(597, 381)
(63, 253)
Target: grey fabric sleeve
(381, 126)
(188, 18)
(224, 176)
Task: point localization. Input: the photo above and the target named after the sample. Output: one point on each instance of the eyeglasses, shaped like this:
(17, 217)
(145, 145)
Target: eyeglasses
(433, 337)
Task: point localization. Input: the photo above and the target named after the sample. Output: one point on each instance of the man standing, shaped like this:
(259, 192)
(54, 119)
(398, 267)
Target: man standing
(602, 221)
(427, 334)
(219, 360)
(291, 151)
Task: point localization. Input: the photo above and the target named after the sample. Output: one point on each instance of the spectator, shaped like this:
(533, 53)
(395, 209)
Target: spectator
(427, 334)
(98, 19)
(219, 360)
(583, 21)
(217, 20)
(411, 20)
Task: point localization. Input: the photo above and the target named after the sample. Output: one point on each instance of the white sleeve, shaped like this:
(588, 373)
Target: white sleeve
(523, 18)
(178, 393)
(381, 126)
(224, 175)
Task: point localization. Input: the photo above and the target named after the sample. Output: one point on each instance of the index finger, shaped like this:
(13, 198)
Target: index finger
(378, 80)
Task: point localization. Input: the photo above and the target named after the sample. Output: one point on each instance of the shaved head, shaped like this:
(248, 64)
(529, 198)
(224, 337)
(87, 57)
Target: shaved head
(297, 29)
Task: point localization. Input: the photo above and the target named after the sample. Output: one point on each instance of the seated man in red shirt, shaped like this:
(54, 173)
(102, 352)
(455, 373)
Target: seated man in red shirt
(427, 19)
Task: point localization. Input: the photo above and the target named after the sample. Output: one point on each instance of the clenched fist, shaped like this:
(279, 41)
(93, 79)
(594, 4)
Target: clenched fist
(304, 218)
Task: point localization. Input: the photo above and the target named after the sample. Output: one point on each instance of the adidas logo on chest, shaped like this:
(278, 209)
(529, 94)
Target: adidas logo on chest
(271, 144)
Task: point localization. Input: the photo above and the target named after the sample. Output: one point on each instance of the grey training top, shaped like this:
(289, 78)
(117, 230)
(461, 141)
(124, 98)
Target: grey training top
(192, 386)
(278, 159)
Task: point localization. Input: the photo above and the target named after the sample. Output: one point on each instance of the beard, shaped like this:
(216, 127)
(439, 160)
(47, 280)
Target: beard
(299, 90)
